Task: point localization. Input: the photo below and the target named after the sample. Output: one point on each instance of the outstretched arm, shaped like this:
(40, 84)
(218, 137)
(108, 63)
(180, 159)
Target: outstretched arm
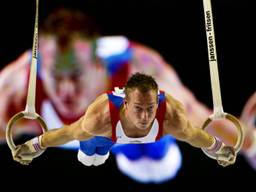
(177, 124)
(96, 121)
(12, 89)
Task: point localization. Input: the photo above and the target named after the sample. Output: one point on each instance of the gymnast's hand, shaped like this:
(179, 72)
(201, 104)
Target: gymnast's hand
(21, 154)
(25, 153)
(226, 156)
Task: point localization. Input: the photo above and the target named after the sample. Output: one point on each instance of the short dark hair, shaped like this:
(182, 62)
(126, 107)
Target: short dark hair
(142, 82)
(66, 23)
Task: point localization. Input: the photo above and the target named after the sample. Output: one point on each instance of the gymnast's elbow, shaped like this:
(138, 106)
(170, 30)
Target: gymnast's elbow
(78, 131)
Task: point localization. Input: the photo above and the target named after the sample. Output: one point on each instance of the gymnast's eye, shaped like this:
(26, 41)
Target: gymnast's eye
(137, 109)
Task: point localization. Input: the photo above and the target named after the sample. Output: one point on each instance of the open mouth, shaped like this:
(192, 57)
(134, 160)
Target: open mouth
(69, 103)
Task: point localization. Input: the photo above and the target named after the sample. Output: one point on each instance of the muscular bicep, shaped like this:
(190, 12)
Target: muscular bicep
(176, 122)
(178, 125)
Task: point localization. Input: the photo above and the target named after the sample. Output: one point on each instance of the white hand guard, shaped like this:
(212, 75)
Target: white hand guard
(226, 155)
(26, 152)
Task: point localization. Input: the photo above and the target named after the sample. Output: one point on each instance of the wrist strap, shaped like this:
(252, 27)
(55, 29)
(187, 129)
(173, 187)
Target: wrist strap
(216, 146)
(36, 143)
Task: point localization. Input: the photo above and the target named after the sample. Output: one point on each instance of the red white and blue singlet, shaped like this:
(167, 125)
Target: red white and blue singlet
(116, 98)
(152, 158)
(96, 144)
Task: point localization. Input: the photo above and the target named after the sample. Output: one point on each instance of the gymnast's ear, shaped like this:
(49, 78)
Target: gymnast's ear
(125, 102)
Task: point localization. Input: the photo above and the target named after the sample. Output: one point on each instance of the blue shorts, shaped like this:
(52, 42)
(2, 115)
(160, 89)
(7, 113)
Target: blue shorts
(96, 145)
(156, 150)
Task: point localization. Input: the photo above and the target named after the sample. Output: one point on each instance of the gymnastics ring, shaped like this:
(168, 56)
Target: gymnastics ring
(9, 128)
(240, 138)
(29, 112)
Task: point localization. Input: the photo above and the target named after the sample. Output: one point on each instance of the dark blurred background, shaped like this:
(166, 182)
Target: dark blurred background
(176, 30)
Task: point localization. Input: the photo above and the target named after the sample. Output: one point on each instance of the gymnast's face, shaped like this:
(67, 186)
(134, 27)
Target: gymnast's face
(141, 108)
(71, 78)
(68, 87)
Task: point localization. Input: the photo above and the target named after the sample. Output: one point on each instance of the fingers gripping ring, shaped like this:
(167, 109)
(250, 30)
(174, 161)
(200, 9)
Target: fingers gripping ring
(13, 120)
(240, 135)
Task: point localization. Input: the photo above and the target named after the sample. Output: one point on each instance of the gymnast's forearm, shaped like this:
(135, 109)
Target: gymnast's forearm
(56, 137)
(66, 133)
